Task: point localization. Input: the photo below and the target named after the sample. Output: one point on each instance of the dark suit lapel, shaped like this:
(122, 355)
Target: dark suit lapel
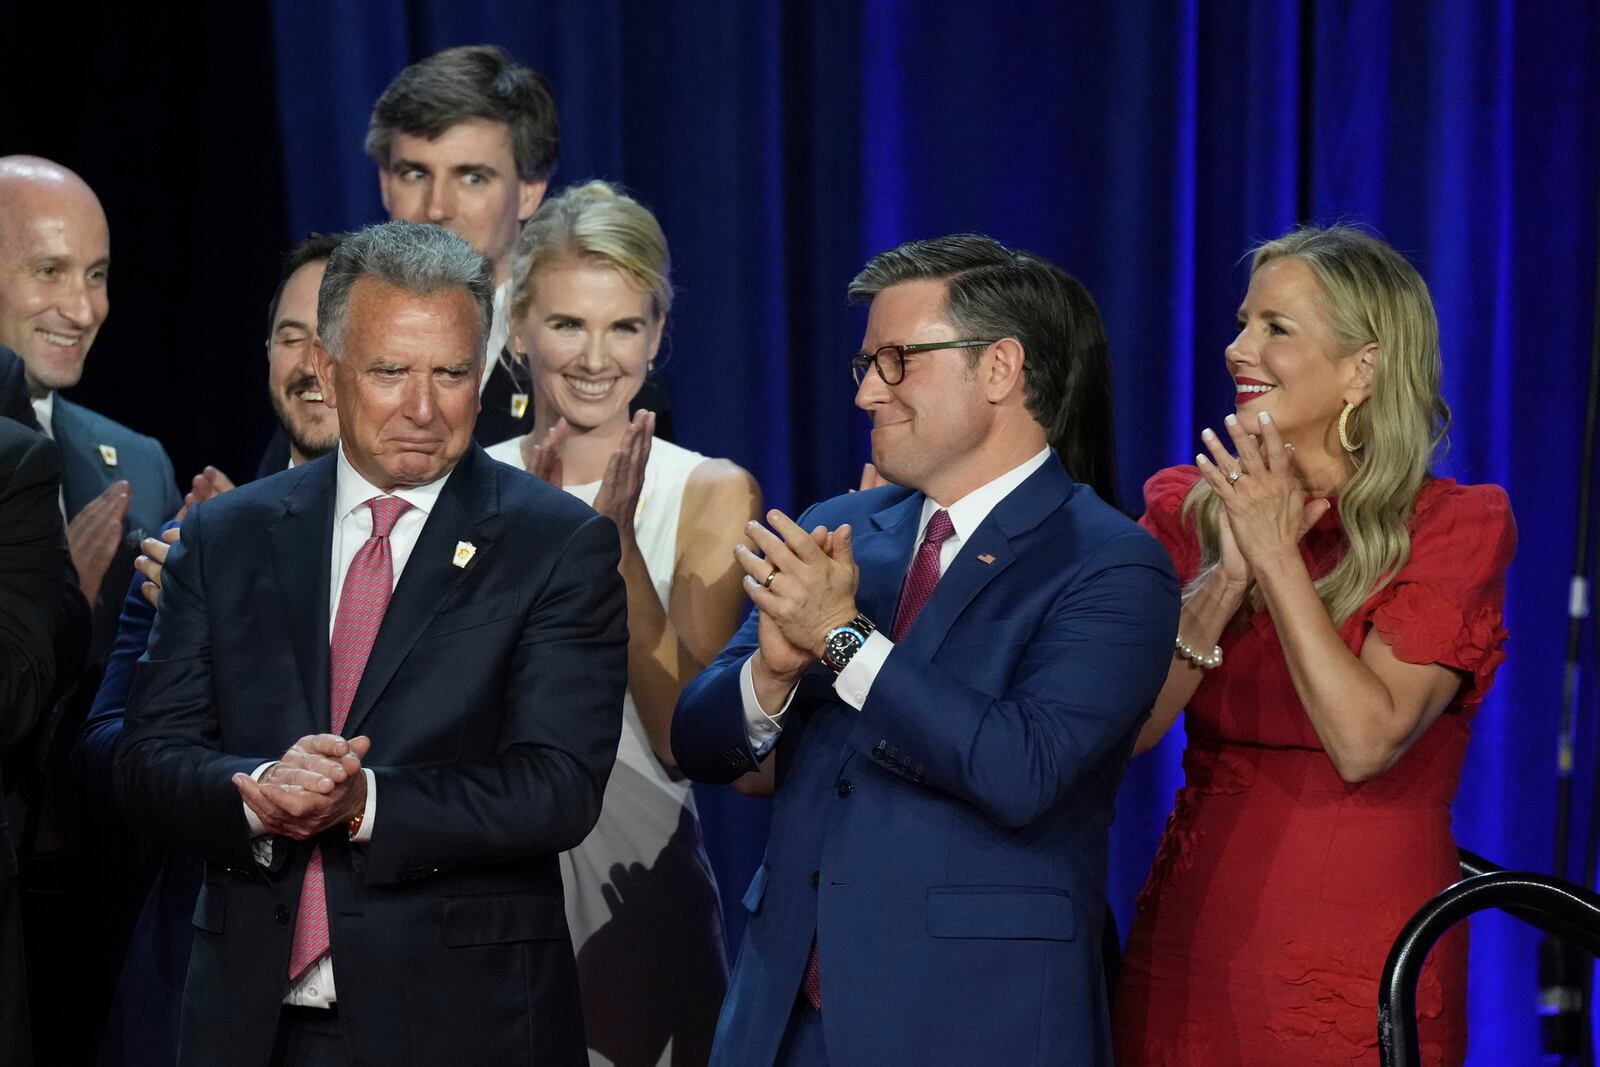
(883, 548)
(302, 557)
(987, 554)
(84, 474)
(465, 511)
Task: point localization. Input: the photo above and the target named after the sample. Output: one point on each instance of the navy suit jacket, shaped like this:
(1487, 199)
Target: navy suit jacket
(85, 474)
(946, 845)
(493, 696)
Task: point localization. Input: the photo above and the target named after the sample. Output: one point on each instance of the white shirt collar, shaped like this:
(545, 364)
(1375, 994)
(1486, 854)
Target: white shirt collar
(968, 513)
(352, 490)
(44, 409)
(499, 333)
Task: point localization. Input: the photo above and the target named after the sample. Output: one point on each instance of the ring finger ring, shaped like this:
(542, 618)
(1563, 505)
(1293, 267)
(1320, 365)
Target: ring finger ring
(770, 575)
(1234, 475)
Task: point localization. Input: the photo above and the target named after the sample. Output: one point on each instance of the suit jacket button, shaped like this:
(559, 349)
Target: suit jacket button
(281, 913)
(816, 879)
(844, 788)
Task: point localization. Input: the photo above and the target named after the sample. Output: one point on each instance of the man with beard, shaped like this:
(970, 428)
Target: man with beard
(142, 1027)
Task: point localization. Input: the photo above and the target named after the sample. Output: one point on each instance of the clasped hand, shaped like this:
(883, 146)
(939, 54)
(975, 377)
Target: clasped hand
(1264, 504)
(317, 784)
(803, 584)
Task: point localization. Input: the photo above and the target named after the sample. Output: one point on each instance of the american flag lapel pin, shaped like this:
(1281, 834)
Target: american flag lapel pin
(108, 454)
(465, 550)
(986, 559)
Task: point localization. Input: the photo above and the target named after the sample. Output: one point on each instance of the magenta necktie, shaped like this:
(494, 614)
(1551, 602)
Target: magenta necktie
(362, 601)
(918, 587)
(923, 575)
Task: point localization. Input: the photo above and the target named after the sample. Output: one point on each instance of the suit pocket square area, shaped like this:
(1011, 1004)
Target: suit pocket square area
(472, 615)
(497, 920)
(1001, 912)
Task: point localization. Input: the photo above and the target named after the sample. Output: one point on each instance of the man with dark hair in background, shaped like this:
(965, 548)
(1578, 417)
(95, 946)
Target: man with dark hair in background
(468, 139)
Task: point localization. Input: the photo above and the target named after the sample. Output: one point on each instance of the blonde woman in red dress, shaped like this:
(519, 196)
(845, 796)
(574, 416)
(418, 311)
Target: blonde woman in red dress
(1342, 623)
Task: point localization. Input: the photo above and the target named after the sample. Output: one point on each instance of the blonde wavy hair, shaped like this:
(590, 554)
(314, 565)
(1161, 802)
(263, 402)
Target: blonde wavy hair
(594, 221)
(1371, 294)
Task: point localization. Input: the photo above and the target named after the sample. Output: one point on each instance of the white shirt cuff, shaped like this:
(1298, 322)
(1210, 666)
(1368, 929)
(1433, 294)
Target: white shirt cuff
(368, 812)
(855, 681)
(760, 729)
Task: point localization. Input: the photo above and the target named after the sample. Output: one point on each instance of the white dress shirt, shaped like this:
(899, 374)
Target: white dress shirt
(44, 409)
(499, 333)
(855, 681)
(352, 526)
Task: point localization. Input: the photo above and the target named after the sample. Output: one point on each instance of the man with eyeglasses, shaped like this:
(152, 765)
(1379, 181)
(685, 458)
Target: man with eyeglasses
(949, 672)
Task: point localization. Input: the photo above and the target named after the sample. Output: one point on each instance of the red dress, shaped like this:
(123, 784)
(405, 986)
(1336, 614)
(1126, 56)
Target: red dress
(1279, 888)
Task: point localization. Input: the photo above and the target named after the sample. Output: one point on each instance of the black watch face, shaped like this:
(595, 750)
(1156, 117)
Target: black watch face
(841, 645)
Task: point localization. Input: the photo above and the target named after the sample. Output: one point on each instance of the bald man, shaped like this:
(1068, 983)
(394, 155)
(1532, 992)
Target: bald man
(55, 258)
(55, 253)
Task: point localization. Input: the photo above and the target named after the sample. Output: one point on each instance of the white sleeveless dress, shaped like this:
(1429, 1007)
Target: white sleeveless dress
(640, 896)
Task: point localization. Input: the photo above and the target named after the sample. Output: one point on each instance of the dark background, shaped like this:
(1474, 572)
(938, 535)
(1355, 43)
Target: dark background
(1144, 146)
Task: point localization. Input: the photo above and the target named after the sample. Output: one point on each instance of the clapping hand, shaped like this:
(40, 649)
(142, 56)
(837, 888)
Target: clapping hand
(543, 459)
(1264, 503)
(153, 561)
(94, 534)
(620, 486)
(317, 784)
(205, 485)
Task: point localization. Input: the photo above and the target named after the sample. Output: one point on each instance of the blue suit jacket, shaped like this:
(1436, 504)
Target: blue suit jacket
(85, 474)
(946, 845)
(493, 695)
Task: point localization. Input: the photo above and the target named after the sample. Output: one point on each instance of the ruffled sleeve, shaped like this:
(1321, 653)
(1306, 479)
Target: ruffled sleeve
(1163, 516)
(1446, 605)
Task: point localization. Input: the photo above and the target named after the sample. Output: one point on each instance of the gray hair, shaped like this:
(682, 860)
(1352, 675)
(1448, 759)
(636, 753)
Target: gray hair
(418, 258)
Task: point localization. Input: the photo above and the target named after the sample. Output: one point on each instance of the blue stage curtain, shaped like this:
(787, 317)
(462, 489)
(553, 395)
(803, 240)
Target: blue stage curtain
(1143, 146)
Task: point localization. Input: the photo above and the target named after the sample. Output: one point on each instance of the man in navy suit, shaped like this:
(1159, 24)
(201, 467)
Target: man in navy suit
(951, 675)
(383, 691)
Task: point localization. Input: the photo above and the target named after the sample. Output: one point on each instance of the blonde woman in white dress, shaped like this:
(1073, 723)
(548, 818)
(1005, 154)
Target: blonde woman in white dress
(589, 301)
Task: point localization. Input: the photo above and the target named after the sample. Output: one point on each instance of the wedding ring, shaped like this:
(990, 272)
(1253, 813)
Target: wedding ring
(770, 575)
(1234, 476)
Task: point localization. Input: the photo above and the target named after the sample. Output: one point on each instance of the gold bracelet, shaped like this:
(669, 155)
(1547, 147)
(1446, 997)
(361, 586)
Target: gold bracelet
(1205, 661)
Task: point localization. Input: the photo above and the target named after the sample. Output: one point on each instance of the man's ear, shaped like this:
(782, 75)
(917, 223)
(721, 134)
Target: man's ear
(322, 367)
(1364, 364)
(1001, 369)
(529, 196)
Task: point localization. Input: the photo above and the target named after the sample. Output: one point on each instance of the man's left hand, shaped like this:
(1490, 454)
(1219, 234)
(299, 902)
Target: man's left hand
(317, 784)
(812, 590)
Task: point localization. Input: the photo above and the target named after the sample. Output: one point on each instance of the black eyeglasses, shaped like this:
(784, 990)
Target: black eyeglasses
(891, 359)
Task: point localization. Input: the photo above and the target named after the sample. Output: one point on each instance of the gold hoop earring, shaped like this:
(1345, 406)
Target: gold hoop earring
(1344, 432)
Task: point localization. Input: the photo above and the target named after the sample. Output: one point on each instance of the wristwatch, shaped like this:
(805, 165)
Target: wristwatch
(843, 642)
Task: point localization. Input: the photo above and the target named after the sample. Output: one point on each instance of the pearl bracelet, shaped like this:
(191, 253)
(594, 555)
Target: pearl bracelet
(1205, 661)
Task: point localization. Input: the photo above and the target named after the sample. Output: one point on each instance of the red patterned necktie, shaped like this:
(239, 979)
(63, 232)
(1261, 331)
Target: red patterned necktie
(923, 575)
(918, 587)
(363, 599)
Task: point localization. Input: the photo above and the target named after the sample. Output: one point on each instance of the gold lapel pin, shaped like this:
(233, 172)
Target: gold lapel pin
(108, 453)
(465, 550)
(519, 405)
(986, 559)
